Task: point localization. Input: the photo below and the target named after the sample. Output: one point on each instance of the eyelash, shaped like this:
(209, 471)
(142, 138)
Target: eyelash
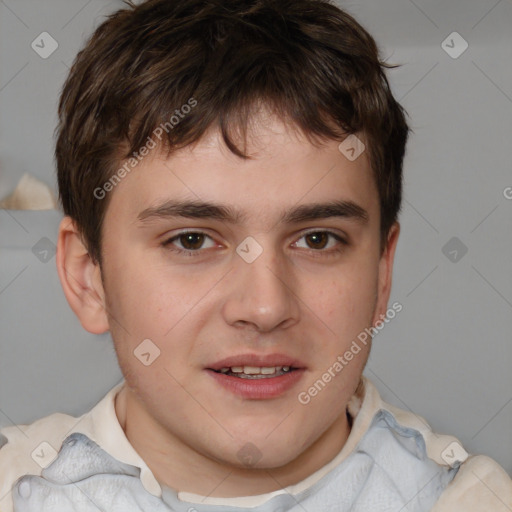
(342, 243)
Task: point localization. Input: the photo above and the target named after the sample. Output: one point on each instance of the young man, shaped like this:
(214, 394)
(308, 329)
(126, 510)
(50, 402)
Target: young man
(230, 173)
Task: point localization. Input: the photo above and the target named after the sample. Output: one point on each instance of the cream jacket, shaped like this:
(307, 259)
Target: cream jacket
(479, 485)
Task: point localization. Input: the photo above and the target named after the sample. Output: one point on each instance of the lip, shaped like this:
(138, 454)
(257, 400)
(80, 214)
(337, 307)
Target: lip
(258, 389)
(256, 360)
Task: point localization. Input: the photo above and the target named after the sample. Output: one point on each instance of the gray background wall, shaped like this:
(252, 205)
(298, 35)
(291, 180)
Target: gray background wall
(446, 356)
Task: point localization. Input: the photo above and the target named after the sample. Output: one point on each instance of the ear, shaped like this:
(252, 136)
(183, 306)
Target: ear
(80, 278)
(386, 272)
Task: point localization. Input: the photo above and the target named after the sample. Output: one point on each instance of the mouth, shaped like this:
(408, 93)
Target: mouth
(255, 372)
(257, 377)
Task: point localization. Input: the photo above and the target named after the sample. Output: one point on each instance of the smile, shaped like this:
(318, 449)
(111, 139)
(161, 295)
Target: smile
(257, 377)
(255, 372)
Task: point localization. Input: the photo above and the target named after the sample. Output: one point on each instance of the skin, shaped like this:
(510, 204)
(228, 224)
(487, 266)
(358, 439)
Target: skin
(307, 297)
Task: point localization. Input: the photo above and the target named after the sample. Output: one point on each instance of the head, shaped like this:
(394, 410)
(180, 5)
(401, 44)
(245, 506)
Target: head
(223, 120)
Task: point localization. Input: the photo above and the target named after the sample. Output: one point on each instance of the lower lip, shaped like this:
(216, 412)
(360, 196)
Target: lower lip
(258, 389)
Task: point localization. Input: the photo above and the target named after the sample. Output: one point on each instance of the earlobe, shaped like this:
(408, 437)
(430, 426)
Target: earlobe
(80, 278)
(386, 272)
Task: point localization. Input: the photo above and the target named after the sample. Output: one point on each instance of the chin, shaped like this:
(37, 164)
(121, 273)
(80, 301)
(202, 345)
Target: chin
(259, 453)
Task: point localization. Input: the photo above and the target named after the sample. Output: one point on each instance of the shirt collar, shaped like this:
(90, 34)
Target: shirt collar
(102, 426)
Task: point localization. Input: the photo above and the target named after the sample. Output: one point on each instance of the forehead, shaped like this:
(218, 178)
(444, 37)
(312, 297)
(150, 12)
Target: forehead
(283, 169)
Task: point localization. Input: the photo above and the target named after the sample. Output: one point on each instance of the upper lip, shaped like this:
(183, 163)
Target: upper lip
(256, 360)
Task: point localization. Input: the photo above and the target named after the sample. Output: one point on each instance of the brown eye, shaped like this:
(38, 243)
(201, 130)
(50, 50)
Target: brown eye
(317, 240)
(320, 241)
(191, 241)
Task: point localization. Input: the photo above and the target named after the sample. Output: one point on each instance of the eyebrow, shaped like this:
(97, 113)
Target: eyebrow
(224, 213)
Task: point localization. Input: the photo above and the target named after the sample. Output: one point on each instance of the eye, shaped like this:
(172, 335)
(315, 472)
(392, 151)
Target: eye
(320, 240)
(190, 241)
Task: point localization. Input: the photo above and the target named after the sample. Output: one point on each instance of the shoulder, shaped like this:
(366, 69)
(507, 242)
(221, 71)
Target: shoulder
(480, 485)
(28, 449)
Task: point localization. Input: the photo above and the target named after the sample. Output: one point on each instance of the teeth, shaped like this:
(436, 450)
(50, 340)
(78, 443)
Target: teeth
(251, 370)
(256, 370)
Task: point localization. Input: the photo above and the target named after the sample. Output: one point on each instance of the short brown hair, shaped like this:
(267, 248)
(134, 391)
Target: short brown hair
(311, 63)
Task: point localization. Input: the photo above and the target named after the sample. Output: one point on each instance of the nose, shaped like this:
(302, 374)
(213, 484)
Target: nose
(261, 294)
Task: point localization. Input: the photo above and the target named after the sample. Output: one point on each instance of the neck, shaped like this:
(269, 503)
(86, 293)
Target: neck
(180, 467)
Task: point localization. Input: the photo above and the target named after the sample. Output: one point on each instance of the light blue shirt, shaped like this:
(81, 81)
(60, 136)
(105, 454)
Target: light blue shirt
(389, 471)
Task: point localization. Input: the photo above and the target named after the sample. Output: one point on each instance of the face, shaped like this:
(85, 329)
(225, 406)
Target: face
(251, 279)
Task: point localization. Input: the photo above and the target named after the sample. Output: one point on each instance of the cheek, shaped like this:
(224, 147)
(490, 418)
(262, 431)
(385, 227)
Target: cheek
(346, 301)
(147, 300)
